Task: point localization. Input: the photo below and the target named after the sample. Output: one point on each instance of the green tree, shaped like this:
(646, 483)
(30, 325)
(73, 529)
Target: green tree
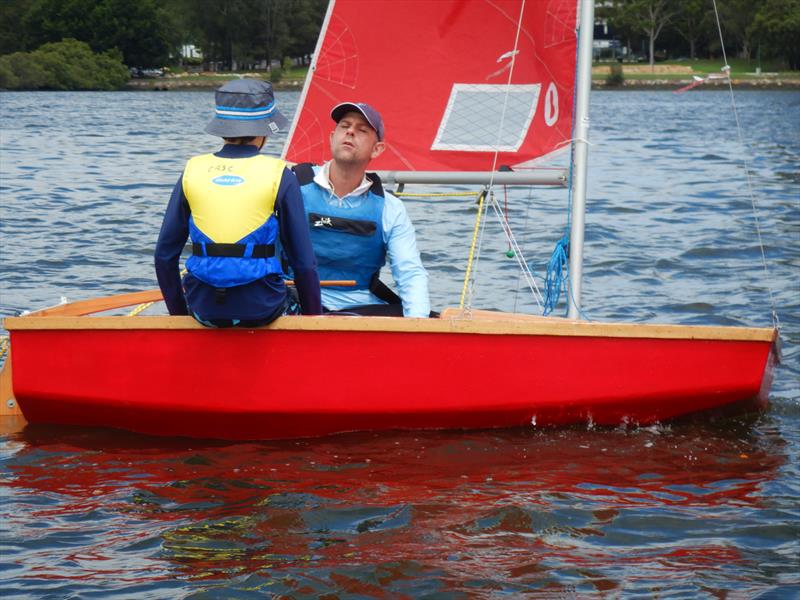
(691, 22)
(8, 79)
(647, 16)
(735, 18)
(137, 28)
(277, 29)
(23, 72)
(180, 21)
(218, 26)
(304, 22)
(65, 65)
(776, 27)
(54, 20)
(13, 34)
(73, 66)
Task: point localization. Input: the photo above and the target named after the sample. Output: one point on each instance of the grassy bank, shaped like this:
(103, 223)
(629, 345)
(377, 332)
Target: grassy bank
(676, 73)
(292, 79)
(670, 74)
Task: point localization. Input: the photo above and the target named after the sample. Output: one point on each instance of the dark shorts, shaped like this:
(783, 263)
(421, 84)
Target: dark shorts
(291, 307)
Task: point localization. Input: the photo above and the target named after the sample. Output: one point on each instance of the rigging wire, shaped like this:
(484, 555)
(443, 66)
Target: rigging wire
(749, 177)
(469, 285)
(517, 251)
(528, 203)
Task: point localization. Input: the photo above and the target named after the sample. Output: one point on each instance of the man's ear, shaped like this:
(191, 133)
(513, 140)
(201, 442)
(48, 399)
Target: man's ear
(377, 150)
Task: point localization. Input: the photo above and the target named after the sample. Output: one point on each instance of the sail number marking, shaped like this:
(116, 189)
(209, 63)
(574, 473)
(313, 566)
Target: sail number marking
(551, 105)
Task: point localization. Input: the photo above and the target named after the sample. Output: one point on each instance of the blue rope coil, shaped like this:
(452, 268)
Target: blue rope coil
(557, 274)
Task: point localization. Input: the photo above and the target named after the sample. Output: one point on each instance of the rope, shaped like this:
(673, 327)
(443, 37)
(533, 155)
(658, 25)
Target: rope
(472, 247)
(3, 346)
(484, 209)
(146, 305)
(140, 308)
(727, 70)
(557, 271)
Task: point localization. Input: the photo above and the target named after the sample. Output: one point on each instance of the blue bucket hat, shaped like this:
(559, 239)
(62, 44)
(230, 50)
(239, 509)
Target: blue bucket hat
(372, 116)
(244, 108)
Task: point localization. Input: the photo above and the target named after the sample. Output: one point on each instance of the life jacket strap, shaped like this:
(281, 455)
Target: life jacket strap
(383, 291)
(233, 250)
(304, 173)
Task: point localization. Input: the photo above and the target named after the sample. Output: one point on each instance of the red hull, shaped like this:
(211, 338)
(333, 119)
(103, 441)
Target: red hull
(294, 382)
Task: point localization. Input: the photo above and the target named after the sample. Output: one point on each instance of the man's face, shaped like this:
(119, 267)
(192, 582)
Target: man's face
(354, 141)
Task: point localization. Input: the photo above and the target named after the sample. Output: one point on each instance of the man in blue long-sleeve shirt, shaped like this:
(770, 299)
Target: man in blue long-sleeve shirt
(355, 225)
(235, 205)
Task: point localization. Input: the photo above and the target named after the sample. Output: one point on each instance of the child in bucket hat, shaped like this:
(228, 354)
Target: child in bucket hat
(243, 212)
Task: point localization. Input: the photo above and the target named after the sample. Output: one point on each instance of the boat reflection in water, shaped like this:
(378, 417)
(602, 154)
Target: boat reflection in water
(402, 513)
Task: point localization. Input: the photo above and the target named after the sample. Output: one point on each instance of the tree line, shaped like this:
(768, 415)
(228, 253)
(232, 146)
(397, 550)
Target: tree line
(230, 34)
(762, 29)
(253, 34)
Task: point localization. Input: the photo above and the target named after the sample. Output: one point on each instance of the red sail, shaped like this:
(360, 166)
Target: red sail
(438, 72)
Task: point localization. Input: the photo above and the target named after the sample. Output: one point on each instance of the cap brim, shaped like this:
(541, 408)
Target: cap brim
(340, 110)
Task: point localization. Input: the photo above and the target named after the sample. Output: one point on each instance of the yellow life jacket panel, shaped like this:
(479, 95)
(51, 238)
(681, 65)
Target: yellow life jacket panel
(231, 197)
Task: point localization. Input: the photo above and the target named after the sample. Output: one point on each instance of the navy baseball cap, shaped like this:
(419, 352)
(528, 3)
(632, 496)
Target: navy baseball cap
(372, 116)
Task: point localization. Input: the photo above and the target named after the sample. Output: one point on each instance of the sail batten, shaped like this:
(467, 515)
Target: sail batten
(441, 75)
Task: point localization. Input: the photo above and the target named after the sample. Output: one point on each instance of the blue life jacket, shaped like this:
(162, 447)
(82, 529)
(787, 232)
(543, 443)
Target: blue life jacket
(347, 241)
(232, 226)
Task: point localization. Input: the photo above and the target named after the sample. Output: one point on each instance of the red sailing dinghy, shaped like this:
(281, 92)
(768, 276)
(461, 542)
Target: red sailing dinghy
(514, 101)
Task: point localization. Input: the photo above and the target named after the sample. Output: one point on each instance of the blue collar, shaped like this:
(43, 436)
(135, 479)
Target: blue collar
(237, 151)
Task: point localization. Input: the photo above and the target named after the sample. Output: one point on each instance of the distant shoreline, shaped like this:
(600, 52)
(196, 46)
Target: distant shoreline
(168, 84)
(175, 83)
(598, 83)
(675, 84)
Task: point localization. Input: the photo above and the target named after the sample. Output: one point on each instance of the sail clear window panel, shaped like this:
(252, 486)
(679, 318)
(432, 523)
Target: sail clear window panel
(474, 114)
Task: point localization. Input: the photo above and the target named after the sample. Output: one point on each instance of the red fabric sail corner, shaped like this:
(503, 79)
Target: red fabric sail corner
(438, 73)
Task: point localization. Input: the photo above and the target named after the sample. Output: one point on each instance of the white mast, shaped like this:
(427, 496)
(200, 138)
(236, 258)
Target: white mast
(581, 155)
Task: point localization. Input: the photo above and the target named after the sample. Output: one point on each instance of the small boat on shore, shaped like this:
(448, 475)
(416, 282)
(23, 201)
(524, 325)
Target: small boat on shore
(468, 368)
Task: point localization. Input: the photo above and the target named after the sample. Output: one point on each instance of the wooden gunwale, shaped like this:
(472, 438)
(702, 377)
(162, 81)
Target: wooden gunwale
(452, 321)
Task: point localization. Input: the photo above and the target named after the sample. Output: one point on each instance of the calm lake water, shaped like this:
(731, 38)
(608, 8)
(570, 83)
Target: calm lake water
(706, 510)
